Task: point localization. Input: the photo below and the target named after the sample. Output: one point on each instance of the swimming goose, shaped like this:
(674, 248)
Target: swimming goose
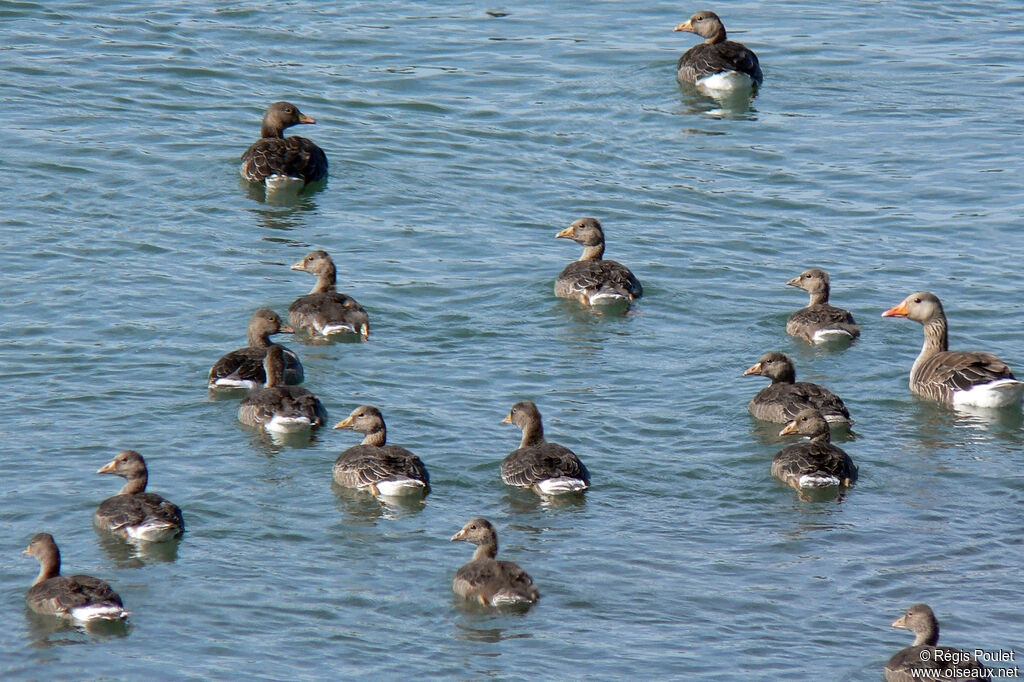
(80, 597)
(816, 463)
(277, 161)
(593, 280)
(717, 63)
(915, 662)
(492, 582)
(786, 397)
(243, 368)
(324, 311)
(954, 377)
(375, 466)
(133, 513)
(546, 467)
(819, 322)
(277, 408)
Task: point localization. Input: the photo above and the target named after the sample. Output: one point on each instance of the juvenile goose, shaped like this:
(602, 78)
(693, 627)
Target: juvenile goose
(593, 280)
(80, 597)
(324, 311)
(375, 466)
(914, 663)
(819, 322)
(786, 397)
(134, 513)
(243, 368)
(816, 463)
(277, 408)
(546, 467)
(492, 582)
(717, 63)
(954, 377)
(277, 161)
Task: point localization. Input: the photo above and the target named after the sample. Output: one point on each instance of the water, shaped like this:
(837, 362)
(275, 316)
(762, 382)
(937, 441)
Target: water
(885, 149)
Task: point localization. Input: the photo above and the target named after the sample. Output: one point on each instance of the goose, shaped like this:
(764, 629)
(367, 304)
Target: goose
(277, 408)
(547, 468)
(717, 63)
(914, 663)
(373, 465)
(277, 161)
(324, 311)
(243, 368)
(593, 280)
(815, 463)
(819, 322)
(133, 513)
(79, 597)
(954, 377)
(786, 397)
(485, 579)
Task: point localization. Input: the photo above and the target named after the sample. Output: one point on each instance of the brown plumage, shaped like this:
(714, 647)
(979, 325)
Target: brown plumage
(243, 368)
(324, 311)
(716, 54)
(133, 512)
(819, 321)
(276, 158)
(80, 597)
(374, 465)
(815, 463)
(955, 377)
(593, 280)
(913, 663)
(786, 397)
(278, 408)
(546, 467)
(487, 580)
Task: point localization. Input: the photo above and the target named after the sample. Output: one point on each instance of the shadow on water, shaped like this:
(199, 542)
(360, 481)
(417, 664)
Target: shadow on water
(734, 105)
(135, 554)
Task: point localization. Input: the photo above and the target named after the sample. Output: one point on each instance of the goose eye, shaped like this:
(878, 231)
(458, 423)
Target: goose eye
(917, 300)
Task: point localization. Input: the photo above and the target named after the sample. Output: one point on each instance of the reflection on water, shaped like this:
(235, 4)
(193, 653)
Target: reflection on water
(767, 433)
(366, 506)
(126, 553)
(937, 425)
(49, 631)
(525, 500)
(729, 104)
(288, 196)
(473, 611)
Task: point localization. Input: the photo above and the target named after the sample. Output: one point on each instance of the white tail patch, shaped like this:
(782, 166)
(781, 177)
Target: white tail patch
(562, 484)
(281, 424)
(998, 393)
(400, 486)
(817, 481)
(97, 611)
(154, 531)
(225, 382)
(508, 598)
(284, 183)
(726, 80)
(329, 329)
(837, 419)
(826, 335)
(608, 299)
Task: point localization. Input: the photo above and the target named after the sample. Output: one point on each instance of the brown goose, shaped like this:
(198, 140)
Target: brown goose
(914, 663)
(243, 368)
(80, 597)
(492, 582)
(954, 377)
(786, 397)
(374, 465)
(546, 467)
(277, 408)
(819, 322)
(816, 463)
(133, 513)
(593, 280)
(717, 63)
(277, 161)
(324, 311)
